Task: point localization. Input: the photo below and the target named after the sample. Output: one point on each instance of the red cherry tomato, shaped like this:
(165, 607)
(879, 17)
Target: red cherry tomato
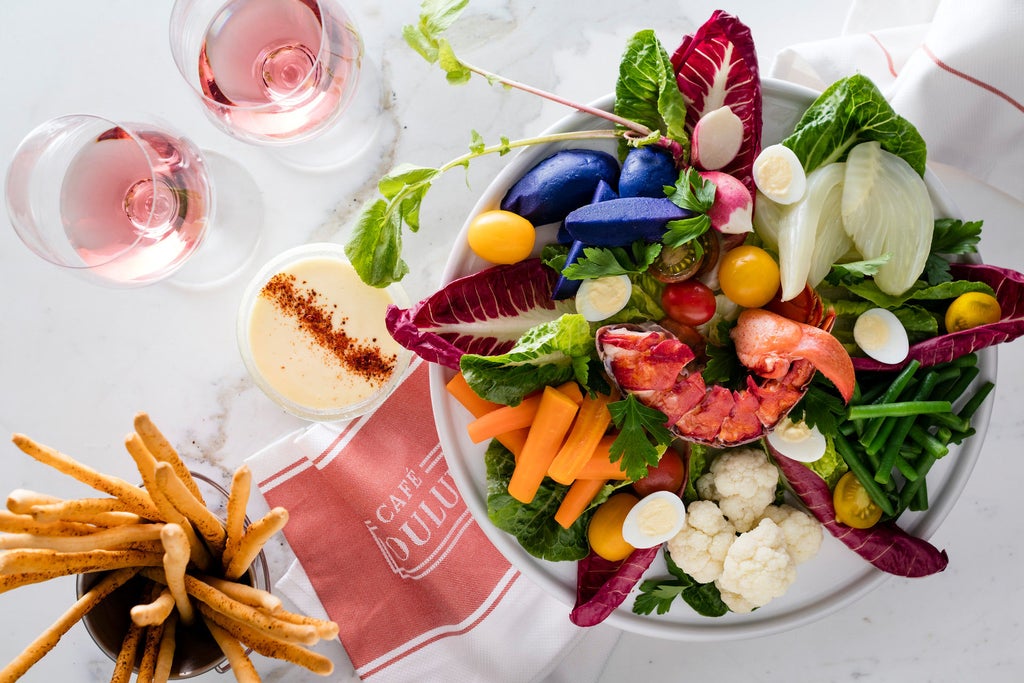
(667, 476)
(688, 302)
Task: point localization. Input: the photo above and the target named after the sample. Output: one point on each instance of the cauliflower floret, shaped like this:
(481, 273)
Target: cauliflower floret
(742, 482)
(802, 532)
(736, 602)
(700, 546)
(758, 567)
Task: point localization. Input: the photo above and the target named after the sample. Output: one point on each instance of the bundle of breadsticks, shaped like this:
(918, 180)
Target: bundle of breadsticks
(195, 567)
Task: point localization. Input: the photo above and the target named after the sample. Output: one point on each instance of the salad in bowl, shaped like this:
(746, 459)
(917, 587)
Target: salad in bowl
(706, 340)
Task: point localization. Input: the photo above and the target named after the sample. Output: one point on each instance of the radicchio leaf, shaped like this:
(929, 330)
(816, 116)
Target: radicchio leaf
(1009, 288)
(886, 546)
(483, 313)
(602, 585)
(717, 66)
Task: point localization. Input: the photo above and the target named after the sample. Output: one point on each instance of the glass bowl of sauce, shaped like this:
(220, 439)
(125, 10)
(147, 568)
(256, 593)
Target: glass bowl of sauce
(312, 335)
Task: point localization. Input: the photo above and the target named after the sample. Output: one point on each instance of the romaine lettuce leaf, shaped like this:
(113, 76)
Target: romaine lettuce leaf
(532, 524)
(550, 353)
(646, 90)
(850, 111)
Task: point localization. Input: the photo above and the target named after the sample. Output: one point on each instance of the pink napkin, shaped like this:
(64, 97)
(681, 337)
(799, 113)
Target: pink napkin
(396, 559)
(952, 67)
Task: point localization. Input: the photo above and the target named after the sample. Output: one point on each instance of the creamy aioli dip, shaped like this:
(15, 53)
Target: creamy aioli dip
(313, 336)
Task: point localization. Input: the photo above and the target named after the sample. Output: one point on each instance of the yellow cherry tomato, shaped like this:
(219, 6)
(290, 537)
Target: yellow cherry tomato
(501, 236)
(854, 506)
(605, 530)
(749, 276)
(972, 309)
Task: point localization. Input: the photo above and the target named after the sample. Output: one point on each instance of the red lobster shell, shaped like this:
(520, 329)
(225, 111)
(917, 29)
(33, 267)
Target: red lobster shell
(651, 363)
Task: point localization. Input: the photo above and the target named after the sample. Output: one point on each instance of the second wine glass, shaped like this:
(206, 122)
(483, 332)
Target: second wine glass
(287, 74)
(128, 204)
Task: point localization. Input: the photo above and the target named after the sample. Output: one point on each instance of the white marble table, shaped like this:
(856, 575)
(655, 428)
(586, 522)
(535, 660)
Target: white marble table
(77, 361)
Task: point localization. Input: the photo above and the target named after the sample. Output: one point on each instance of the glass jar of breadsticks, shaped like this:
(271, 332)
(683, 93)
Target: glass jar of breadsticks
(172, 579)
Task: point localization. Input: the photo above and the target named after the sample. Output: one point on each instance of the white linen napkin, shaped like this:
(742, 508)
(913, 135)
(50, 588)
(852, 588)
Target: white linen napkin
(951, 67)
(387, 548)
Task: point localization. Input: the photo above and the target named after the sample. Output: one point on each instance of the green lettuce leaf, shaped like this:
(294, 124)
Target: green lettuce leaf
(853, 110)
(646, 91)
(548, 354)
(532, 524)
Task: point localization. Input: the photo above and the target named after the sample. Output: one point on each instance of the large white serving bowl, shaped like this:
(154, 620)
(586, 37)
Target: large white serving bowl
(835, 578)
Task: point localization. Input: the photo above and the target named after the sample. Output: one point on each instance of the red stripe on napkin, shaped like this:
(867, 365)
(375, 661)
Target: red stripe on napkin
(384, 535)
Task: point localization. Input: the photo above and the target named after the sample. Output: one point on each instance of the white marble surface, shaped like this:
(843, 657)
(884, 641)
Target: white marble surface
(77, 361)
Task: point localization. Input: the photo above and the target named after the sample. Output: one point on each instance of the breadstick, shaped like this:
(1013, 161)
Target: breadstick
(211, 528)
(48, 639)
(241, 665)
(12, 581)
(155, 611)
(135, 500)
(165, 657)
(98, 511)
(21, 501)
(175, 560)
(165, 509)
(125, 664)
(305, 634)
(105, 539)
(150, 652)
(163, 451)
(238, 500)
(26, 524)
(42, 560)
(244, 593)
(253, 540)
(269, 646)
(327, 630)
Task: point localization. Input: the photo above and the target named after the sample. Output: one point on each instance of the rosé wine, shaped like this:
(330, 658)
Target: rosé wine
(278, 70)
(135, 206)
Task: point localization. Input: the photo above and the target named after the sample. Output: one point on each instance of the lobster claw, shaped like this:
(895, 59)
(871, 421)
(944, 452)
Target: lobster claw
(768, 343)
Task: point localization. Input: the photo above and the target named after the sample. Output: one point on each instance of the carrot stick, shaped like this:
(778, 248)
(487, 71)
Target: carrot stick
(600, 466)
(591, 423)
(504, 419)
(470, 400)
(576, 500)
(552, 422)
(572, 390)
(478, 407)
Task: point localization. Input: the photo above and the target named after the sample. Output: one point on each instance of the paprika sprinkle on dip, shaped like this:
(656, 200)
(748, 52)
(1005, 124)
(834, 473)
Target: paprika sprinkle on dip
(312, 335)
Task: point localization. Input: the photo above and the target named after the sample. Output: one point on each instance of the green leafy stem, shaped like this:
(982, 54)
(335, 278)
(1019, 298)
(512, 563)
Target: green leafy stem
(375, 246)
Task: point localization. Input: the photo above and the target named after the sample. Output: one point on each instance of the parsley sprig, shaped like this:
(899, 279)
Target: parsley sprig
(693, 193)
(657, 595)
(642, 437)
(605, 261)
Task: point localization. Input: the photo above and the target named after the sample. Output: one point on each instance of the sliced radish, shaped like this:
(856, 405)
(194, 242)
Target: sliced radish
(717, 138)
(733, 210)
(779, 175)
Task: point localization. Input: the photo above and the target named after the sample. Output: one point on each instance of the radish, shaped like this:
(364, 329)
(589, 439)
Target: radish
(733, 210)
(717, 137)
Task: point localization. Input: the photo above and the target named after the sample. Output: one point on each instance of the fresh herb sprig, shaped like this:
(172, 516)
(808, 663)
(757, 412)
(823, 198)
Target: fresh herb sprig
(642, 437)
(657, 595)
(696, 194)
(606, 261)
(656, 115)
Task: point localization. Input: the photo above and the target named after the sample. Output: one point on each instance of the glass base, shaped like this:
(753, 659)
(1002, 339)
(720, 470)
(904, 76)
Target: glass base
(235, 229)
(349, 137)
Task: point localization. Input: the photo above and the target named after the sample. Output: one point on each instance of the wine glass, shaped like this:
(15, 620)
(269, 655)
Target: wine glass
(127, 204)
(287, 74)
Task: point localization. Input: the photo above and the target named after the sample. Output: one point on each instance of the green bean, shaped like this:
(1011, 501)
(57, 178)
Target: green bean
(960, 385)
(856, 466)
(901, 409)
(932, 445)
(905, 468)
(914, 491)
(953, 422)
(899, 433)
(890, 394)
(975, 401)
